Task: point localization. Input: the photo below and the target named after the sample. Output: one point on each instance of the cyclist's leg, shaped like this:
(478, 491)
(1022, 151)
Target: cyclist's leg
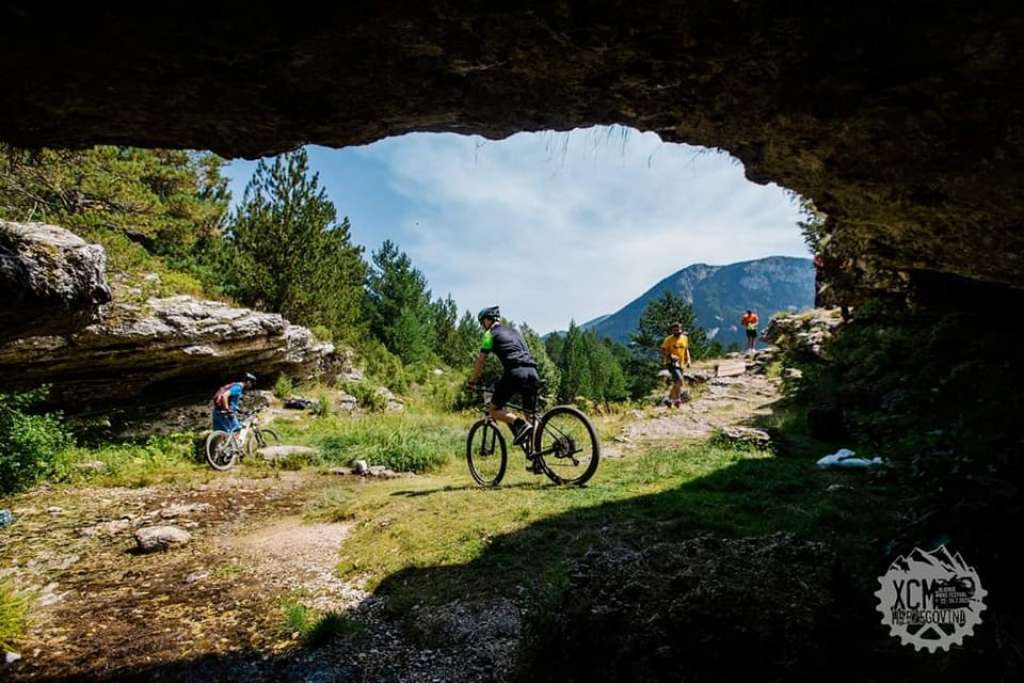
(505, 388)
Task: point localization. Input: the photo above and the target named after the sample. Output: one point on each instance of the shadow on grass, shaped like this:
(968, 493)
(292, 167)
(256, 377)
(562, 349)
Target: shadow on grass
(523, 485)
(750, 497)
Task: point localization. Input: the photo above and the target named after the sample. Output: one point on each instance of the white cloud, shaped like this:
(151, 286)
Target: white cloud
(554, 226)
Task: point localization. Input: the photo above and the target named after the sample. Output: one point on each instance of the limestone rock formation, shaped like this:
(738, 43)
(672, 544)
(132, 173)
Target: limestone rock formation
(804, 333)
(159, 350)
(51, 280)
(903, 125)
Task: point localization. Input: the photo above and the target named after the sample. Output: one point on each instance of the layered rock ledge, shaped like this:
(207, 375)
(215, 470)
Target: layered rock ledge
(156, 350)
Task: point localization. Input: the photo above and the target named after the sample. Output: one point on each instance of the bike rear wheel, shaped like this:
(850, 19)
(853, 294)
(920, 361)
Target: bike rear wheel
(486, 453)
(220, 451)
(566, 446)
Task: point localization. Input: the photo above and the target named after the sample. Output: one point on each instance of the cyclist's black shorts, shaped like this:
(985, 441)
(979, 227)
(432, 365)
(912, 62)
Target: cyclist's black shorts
(676, 372)
(751, 334)
(523, 381)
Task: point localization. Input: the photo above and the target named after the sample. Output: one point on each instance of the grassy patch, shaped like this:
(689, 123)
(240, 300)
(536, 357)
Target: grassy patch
(406, 443)
(316, 629)
(13, 616)
(432, 539)
(133, 464)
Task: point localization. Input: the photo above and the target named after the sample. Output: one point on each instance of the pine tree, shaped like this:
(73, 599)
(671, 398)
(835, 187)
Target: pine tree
(445, 315)
(285, 251)
(395, 289)
(658, 317)
(575, 366)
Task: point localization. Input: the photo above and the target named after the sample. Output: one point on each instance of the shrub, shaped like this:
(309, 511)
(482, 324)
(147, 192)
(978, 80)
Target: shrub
(30, 445)
(367, 395)
(322, 333)
(322, 407)
(283, 387)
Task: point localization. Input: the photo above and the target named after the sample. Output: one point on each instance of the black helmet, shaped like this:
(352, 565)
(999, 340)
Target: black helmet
(489, 312)
(249, 377)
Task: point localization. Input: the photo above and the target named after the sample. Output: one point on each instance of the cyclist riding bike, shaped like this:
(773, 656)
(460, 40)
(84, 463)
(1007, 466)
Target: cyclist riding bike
(225, 404)
(519, 376)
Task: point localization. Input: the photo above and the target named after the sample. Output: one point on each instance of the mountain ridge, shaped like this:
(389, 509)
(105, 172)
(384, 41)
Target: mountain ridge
(720, 295)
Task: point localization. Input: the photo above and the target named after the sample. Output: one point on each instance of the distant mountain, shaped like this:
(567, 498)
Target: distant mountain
(721, 294)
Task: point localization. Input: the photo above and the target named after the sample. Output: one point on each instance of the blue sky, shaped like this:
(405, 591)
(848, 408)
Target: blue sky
(551, 226)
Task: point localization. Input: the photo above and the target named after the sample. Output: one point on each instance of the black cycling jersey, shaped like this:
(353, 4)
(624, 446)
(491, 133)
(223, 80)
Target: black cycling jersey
(508, 346)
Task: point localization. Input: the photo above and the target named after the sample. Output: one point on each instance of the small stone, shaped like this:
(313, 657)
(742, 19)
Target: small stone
(161, 537)
(196, 577)
(360, 467)
(344, 471)
(792, 373)
(54, 510)
(11, 657)
(91, 466)
(376, 470)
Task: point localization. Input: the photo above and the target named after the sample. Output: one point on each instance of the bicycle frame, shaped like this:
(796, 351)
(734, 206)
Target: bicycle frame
(533, 417)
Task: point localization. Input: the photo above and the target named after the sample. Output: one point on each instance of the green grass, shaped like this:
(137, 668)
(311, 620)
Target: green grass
(133, 464)
(13, 616)
(405, 443)
(437, 538)
(316, 629)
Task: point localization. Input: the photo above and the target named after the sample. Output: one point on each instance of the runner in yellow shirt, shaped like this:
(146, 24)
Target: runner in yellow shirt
(675, 353)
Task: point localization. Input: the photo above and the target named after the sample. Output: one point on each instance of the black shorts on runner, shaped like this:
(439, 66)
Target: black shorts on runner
(676, 372)
(751, 334)
(523, 381)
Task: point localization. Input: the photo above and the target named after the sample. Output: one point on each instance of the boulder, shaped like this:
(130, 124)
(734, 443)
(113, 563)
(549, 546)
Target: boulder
(392, 403)
(154, 538)
(276, 453)
(360, 467)
(744, 435)
(346, 402)
(53, 281)
(804, 334)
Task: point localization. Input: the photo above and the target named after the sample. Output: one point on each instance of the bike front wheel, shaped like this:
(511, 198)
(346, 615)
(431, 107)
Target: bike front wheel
(263, 438)
(220, 451)
(566, 446)
(486, 453)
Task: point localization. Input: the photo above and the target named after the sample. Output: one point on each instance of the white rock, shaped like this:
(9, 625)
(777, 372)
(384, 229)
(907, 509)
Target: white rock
(54, 510)
(161, 537)
(182, 509)
(11, 657)
(360, 467)
(273, 453)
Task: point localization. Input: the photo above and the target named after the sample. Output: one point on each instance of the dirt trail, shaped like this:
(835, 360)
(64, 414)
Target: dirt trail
(720, 402)
(212, 609)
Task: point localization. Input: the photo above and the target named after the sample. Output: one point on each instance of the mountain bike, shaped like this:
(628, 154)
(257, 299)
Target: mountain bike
(224, 449)
(563, 445)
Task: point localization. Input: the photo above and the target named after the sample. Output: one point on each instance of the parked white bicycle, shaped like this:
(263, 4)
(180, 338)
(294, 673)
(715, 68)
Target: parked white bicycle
(224, 449)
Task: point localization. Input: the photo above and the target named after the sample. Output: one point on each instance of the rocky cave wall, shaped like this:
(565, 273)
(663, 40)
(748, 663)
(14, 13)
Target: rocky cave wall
(903, 123)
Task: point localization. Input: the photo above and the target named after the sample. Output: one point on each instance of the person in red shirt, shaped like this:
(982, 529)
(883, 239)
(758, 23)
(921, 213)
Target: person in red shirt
(749, 323)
